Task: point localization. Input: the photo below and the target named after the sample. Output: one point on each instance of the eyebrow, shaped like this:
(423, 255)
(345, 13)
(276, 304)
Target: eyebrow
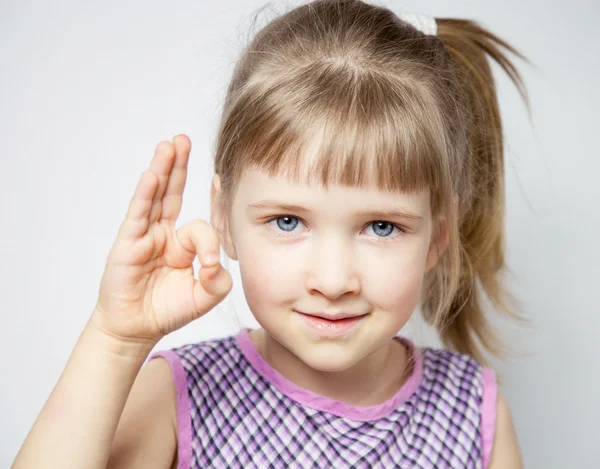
(382, 213)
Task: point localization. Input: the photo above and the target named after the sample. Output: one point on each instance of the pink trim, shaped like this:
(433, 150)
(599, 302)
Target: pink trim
(184, 422)
(325, 404)
(488, 414)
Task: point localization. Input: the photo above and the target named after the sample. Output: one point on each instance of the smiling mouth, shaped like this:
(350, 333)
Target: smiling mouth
(331, 328)
(332, 318)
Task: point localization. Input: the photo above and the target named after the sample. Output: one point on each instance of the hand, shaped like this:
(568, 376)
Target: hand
(148, 289)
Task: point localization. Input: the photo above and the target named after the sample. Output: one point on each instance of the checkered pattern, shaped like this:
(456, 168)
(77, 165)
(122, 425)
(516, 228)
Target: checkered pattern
(239, 419)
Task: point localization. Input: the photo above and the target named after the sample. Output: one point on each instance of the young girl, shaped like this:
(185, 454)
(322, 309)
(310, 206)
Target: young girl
(358, 175)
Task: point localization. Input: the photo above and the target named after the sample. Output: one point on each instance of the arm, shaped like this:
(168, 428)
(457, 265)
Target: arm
(77, 425)
(505, 452)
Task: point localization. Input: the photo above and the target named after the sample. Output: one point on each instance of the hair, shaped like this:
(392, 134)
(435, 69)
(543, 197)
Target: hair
(393, 107)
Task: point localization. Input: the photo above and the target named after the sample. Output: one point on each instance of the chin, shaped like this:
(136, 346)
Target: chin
(327, 360)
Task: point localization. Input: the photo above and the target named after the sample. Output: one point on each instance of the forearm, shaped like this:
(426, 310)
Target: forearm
(77, 424)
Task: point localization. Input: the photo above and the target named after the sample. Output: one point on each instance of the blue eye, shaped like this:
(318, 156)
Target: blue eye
(378, 224)
(285, 225)
(288, 224)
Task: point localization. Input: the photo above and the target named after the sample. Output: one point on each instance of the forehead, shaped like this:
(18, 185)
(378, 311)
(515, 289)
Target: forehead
(257, 185)
(319, 174)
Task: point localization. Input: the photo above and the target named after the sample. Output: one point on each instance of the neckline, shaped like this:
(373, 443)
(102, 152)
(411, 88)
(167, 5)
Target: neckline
(319, 402)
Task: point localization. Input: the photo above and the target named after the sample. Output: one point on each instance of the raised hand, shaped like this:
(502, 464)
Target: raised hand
(148, 287)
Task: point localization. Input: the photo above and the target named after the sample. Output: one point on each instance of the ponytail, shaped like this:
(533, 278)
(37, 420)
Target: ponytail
(481, 226)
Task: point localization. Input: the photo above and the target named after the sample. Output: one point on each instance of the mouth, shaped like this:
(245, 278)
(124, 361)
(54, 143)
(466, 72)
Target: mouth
(331, 328)
(333, 317)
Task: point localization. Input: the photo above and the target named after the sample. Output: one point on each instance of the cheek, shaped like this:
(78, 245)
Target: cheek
(399, 294)
(268, 278)
(395, 284)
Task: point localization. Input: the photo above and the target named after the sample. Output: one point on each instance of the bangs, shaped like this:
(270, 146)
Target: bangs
(338, 129)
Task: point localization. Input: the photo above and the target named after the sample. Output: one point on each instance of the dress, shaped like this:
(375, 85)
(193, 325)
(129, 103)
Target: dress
(235, 411)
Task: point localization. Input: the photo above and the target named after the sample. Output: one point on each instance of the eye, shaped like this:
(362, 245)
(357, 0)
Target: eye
(383, 229)
(285, 224)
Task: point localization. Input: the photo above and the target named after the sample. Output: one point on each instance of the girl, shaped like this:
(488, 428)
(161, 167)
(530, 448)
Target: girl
(358, 175)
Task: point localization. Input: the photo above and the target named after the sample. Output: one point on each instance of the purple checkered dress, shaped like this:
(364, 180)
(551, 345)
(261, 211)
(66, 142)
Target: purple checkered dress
(235, 410)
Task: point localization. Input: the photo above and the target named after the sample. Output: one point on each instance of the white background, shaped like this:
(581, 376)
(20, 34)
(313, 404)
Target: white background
(87, 90)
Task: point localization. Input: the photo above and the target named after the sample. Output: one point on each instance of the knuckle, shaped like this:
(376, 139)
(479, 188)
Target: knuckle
(199, 224)
(205, 230)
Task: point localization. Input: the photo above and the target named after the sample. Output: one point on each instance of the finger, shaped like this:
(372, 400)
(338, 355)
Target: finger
(213, 285)
(161, 164)
(199, 238)
(172, 200)
(214, 282)
(137, 218)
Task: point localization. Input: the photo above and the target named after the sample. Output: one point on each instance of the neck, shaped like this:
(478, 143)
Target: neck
(371, 381)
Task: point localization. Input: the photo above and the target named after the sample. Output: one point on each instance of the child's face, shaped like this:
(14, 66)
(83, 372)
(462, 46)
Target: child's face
(329, 258)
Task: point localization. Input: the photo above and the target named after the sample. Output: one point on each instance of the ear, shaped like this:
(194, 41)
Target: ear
(218, 218)
(440, 240)
(438, 245)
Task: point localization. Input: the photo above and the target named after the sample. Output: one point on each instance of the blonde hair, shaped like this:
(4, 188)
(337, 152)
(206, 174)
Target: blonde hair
(393, 107)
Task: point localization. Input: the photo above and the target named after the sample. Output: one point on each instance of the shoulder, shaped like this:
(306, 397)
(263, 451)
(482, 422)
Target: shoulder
(157, 377)
(505, 449)
(462, 373)
(147, 428)
(459, 371)
(185, 376)
(195, 362)
(453, 370)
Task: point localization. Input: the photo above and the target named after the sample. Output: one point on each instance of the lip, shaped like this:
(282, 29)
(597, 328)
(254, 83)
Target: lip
(326, 327)
(333, 317)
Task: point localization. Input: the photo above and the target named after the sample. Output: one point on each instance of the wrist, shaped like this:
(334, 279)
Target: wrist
(116, 345)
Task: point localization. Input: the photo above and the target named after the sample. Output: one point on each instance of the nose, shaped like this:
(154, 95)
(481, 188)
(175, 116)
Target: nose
(332, 269)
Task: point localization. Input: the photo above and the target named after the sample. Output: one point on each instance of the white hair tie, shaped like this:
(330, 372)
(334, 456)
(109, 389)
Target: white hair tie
(424, 23)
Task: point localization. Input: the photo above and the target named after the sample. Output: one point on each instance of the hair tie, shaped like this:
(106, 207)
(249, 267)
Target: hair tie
(424, 23)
